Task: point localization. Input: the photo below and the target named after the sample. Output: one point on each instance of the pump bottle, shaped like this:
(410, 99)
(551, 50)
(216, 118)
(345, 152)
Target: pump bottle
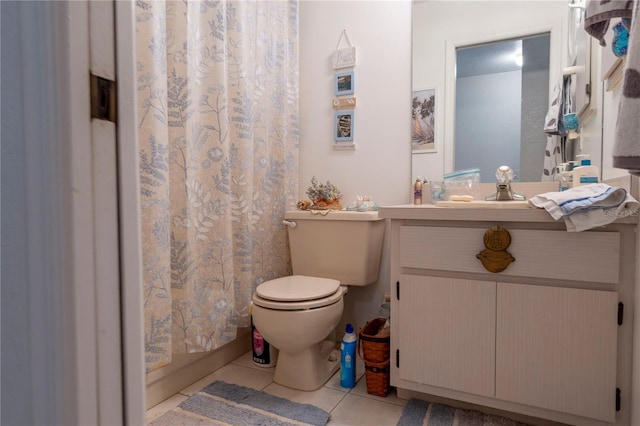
(348, 358)
(585, 173)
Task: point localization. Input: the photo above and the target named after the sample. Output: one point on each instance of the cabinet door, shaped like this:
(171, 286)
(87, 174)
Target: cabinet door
(556, 348)
(447, 333)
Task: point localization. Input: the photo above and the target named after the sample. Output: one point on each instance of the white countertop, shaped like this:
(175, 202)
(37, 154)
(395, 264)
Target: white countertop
(504, 214)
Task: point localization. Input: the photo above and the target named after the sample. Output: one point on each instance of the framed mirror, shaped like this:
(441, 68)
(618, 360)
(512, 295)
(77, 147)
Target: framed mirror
(442, 29)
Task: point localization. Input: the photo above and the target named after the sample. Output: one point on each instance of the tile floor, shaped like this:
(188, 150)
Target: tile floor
(347, 406)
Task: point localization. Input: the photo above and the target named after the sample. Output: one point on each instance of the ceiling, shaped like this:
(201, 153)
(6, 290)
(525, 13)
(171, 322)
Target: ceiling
(499, 56)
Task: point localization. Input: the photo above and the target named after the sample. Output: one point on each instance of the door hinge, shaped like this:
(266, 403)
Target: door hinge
(398, 290)
(618, 398)
(103, 98)
(397, 358)
(620, 313)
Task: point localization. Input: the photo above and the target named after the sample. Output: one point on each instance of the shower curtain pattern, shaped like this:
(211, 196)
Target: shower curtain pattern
(218, 133)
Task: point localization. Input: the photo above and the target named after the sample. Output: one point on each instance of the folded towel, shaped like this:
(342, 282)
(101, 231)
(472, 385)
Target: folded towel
(587, 206)
(600, 217)
(599, 12)
(626, 145)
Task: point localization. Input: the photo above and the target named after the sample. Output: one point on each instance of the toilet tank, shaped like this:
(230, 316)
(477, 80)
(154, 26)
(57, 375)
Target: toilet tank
(343, 245)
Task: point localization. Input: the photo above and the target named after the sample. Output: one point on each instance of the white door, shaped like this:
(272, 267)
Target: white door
(557, 349)
(447, 333)
(62, 217)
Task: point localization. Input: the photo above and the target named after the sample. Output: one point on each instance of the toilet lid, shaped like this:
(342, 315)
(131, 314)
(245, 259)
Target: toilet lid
(297, 288)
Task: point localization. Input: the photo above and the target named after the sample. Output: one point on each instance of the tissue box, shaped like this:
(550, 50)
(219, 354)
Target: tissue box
(462, 182)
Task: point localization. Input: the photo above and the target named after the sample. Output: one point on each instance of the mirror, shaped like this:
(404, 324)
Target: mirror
(441, 30)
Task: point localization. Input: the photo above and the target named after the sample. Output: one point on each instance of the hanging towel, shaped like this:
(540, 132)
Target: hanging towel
(553, 120)
(599, 12)
(626, 145)
(554, 127)
(587, 206)
(552, 158)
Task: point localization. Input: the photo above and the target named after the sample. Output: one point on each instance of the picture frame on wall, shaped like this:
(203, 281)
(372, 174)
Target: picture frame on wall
(344, 83)
(343, 125)
(423, 121)
(344, 58)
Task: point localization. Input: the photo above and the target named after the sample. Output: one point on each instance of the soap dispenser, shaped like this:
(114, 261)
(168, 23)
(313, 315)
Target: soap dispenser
(585, 173)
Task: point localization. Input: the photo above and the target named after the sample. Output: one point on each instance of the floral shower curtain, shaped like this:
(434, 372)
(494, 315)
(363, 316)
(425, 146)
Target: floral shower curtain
(218, 129)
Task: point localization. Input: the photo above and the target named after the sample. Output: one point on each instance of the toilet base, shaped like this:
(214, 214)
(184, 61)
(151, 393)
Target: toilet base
(310, 369)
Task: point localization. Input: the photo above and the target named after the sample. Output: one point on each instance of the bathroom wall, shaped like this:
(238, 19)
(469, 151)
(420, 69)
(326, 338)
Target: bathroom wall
(380, 164)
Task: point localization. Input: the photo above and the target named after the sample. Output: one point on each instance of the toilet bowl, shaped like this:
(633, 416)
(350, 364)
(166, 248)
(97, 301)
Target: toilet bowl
(296, 314)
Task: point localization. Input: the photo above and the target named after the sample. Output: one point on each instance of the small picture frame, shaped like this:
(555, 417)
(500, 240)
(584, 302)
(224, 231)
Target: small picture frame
(343, 83)
(423, 119)
(343, 125)
(343, 103)
(344, 58)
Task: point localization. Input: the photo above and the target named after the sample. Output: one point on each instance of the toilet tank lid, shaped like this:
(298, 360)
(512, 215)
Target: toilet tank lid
(297, 288)
(332, 215)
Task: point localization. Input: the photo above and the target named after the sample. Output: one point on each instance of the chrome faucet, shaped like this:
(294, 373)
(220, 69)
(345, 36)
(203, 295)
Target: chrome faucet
(504, 174)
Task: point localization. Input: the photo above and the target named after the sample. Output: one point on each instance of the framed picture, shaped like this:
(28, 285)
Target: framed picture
(344, 83)
(423, 119)
(343, 126)
(344, 58)
(343, 103)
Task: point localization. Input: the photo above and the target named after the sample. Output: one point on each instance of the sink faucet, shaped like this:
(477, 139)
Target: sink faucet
(504, 174)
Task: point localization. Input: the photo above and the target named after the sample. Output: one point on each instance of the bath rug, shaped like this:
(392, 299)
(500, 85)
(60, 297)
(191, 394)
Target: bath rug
(423, 413)
(223, 403)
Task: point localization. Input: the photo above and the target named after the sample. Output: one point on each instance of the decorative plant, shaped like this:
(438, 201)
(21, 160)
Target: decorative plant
(324, 195)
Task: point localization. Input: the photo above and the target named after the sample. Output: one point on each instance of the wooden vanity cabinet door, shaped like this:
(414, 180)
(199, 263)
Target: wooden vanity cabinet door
(556, 348)
(447, 333)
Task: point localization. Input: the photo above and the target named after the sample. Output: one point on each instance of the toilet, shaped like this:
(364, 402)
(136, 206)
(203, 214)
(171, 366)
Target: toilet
(330, 251)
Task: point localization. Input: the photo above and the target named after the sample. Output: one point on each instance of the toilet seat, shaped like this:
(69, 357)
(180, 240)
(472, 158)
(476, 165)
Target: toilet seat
(298, 292)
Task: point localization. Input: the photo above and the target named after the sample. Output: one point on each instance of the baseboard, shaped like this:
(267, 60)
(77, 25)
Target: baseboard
(186, 369)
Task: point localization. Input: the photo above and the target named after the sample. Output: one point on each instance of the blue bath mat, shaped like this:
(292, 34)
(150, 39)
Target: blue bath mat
(223, 403)
(423, 413)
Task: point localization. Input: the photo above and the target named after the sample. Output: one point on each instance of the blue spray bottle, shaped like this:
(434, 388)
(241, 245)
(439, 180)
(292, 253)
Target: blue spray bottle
(348, 359)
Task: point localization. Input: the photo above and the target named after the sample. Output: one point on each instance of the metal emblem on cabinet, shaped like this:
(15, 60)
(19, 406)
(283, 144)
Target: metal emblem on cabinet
(496, 258)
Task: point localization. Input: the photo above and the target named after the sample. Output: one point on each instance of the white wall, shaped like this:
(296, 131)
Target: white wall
(380, 165)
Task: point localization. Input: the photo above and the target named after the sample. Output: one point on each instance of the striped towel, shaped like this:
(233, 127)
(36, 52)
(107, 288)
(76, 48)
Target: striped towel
(587, 206)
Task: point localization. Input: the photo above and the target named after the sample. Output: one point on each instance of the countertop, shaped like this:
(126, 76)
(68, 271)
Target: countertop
(431, 212)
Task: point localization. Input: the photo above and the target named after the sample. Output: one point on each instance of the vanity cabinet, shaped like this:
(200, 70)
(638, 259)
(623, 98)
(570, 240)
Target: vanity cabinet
(540, 338)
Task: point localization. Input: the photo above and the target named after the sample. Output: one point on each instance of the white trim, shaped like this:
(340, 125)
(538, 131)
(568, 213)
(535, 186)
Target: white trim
(105, 188)
(83, 291)
(130, 228)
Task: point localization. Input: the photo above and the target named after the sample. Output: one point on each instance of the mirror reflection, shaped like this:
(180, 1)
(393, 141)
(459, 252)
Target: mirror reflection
(448, 35)
(501, 101)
